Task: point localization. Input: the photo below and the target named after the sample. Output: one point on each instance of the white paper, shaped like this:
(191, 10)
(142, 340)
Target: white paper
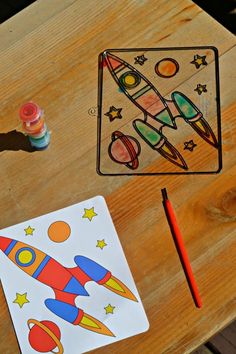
(128, 317)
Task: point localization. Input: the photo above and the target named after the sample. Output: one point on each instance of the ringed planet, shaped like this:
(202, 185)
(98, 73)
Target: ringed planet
(167, 67)
(44, 336)
(124, 149)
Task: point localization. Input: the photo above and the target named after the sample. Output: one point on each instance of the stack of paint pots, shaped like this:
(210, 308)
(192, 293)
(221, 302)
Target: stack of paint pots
(34, 126)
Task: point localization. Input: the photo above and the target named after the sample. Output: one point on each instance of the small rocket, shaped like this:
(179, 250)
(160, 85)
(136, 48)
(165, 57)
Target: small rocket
(148, 99)
(67, 283)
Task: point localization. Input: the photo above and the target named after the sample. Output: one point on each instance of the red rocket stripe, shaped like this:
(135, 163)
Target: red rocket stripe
(79, 317)
(105, 279)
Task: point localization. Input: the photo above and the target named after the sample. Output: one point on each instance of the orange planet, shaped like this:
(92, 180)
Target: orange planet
(59, 231)
(167, 67)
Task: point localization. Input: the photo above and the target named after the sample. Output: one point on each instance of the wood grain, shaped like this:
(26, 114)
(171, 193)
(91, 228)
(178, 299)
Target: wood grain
(51, 58)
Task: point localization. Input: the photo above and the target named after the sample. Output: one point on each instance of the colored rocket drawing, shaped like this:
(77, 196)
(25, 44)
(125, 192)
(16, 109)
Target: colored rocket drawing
(148, 99)
(158, 142)
(67, 283)
(194, 117)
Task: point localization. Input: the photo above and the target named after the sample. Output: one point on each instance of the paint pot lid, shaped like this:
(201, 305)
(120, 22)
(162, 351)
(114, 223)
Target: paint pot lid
(29, 112)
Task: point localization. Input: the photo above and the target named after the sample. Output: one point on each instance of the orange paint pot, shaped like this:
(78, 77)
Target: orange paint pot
(39, 134)
(34, 128)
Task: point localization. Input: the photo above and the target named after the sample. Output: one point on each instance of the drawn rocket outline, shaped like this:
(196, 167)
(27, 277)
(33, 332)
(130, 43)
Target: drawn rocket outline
(50, 272)
(200, 125)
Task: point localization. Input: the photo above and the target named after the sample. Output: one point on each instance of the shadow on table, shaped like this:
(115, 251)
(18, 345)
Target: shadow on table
(15, 141)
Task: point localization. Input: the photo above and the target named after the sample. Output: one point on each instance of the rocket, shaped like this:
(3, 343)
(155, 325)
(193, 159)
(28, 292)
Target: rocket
(143, 94)
(67, 283)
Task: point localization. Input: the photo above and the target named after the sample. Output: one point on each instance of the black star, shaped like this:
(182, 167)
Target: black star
(189, 145)
(199, 60)
(114, 113)
(200, 89)
(140, 59)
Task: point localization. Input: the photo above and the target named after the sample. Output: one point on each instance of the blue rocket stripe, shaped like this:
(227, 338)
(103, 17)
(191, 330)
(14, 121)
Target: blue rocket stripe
(9, 248)
(41, 266)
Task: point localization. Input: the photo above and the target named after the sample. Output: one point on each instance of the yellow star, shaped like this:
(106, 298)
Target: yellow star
(199, 60)
(114, 113)
(29, 231)
(109, 309)
(21, 299)
(200, 89)
(101, 244)
(89, 213)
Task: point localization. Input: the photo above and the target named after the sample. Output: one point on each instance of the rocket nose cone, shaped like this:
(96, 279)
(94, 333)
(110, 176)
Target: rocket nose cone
(112, 61)
(106, 55)
(5, 242)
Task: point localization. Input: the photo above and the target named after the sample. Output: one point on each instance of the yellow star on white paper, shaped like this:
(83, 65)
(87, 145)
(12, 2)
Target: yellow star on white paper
(89, 213)
(21, 299)
(101, 244)
(109, 309)
(29, 231)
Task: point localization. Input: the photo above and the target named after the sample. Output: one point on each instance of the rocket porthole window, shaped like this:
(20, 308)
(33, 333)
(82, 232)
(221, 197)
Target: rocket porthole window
(130, 79)
(25, 257)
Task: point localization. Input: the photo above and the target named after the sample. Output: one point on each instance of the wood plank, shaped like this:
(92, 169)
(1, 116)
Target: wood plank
(28, 19)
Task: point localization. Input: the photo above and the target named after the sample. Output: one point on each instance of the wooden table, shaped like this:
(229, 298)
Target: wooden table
(49, 55)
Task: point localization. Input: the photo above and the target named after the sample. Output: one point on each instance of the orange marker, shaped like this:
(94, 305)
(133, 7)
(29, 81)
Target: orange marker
(179, 244)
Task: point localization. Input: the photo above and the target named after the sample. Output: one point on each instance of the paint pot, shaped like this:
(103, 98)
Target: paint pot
(33, 124)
